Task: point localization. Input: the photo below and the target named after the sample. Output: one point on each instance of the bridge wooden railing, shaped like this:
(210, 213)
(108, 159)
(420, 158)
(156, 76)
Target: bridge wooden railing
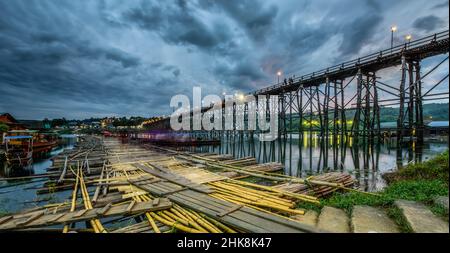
(387, 54)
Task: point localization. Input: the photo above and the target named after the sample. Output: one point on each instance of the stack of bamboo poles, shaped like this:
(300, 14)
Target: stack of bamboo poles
(177, 217)
(311, 182)
(318, 191)
(257, 199)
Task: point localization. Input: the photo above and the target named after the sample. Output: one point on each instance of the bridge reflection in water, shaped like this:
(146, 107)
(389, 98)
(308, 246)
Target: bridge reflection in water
(309, 155)
(337, 112)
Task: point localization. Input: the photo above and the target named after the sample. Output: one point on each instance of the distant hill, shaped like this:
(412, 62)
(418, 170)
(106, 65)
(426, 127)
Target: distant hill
(432, 111)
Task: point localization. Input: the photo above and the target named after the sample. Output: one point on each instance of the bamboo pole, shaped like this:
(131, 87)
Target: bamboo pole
(74, 198)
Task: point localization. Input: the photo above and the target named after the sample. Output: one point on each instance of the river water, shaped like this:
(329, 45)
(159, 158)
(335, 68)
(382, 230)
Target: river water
(16, 195)
(301, 158)
(309, 156)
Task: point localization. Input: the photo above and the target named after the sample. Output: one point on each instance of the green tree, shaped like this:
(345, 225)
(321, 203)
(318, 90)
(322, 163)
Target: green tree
(3, 128)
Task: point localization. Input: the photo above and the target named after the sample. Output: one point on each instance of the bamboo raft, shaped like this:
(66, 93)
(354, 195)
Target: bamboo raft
(158, 190)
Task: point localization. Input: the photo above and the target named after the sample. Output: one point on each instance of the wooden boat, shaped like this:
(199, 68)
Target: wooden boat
(43, 146)
(19, 151)
(43, 143)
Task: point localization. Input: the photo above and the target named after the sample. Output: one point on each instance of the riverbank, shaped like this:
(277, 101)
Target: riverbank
(423, 183)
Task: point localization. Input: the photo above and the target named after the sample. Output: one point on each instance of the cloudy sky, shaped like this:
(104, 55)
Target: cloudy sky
(78, 59)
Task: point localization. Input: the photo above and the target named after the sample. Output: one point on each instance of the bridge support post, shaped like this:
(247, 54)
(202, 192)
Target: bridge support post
(356, 121)
(376, 109)
(411, 100)
(419, 108)
(400, 118)
(325, 121)
(300, 128)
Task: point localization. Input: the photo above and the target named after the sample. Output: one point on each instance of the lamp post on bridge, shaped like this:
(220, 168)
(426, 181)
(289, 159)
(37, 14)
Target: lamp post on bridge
(393, 29)
(408, 38)
(278, 75)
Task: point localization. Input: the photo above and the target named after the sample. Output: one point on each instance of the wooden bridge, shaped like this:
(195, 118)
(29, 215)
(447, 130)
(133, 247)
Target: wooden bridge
(321, 101)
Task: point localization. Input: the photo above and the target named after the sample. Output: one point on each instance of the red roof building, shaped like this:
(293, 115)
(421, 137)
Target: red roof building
(11, 122)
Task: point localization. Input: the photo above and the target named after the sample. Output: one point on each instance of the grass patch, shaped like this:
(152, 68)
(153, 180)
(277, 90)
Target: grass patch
(416, 190)
(309, 206)
(439, 210)
(396, 214)
(346, 201)
(436, 168)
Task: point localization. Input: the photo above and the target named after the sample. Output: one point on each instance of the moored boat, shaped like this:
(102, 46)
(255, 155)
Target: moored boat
(43, 143)
(19, 151)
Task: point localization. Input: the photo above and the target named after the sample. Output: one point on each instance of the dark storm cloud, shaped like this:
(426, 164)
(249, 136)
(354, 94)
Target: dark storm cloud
(62, 67)
(241, 76)
(255, 17)
(177, 24)
(99, 58)
(180, 24)
(63, 47)
(359, 32)
(428, 23)
(441, 5)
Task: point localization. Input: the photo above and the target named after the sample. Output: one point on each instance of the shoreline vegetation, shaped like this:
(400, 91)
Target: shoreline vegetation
(421, 182)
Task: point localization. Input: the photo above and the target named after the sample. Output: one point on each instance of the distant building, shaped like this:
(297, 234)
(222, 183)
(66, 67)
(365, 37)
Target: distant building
(388, 125)
(438, 127)
(32, 124)
(107, 122)
(72, 124)
(95, 124)
(11, 122)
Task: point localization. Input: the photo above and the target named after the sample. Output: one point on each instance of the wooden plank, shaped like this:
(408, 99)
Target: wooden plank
(33, 217)
(228, 211)
(89, 214)
(130, 206)
(80, 213)
(5, 219)
(166, 174)
(54, 218)
(105, 209)
(134, 194)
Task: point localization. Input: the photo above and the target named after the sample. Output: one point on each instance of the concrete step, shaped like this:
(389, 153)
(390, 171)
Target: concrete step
(420, 218)
(309, 218)
(442, 200)
(367, 219)
(333, 220)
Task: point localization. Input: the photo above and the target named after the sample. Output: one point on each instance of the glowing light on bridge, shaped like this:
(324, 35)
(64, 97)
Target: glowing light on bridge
(408, 37)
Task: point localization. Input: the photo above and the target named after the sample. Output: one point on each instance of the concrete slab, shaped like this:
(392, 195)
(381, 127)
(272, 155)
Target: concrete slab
(367, 219)
(420, 218)
(333, 220)
(309, 218)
